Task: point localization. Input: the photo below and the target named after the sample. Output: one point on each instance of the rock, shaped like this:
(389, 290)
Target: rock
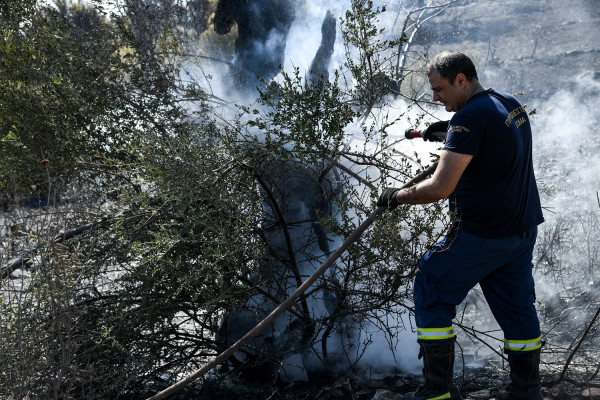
(480, 394)
(400, 384)
(558, 393)
(383, 394)
(591, 394)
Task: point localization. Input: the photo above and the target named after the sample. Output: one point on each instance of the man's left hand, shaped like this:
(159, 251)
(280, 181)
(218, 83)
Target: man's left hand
(439, 126)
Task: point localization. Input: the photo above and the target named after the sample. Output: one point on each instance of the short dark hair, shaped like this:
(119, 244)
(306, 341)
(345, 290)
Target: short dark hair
(451, 63)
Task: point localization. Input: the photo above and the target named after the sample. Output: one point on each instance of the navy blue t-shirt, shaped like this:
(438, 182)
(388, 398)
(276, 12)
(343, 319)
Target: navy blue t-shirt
(497, 195)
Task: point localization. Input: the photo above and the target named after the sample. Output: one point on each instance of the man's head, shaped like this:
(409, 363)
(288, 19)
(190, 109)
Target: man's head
(453, 79)
(451, 63)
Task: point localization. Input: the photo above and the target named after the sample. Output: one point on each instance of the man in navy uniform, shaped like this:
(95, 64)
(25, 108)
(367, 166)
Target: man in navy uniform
(486, 172)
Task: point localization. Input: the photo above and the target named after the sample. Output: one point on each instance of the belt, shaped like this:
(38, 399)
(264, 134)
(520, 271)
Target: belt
(530, 235)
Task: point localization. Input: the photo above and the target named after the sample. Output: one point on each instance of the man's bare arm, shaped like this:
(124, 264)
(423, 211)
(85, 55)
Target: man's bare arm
(443, 182)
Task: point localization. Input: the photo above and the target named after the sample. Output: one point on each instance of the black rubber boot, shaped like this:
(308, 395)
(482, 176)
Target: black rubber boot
(438, 370)
(525, 380)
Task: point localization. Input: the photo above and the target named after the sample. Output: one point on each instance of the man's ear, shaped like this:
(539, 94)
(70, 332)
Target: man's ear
(460, 80)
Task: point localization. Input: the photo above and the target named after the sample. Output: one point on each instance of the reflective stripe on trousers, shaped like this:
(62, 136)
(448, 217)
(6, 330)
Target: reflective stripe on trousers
(444, 396)
(523, 345)
(435, 333)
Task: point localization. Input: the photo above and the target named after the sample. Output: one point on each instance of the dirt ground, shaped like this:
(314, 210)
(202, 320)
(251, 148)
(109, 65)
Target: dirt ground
(536, 47)
(480, 384)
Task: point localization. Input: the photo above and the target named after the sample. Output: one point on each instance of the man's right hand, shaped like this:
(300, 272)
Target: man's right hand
(388, 199)
(439, 126)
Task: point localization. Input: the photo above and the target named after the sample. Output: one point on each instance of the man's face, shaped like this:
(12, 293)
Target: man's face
(450, 95)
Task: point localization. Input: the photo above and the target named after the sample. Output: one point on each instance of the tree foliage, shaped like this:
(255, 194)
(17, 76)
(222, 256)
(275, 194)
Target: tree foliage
(59, 88)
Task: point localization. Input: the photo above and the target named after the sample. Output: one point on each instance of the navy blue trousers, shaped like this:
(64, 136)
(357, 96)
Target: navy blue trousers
(503, 269)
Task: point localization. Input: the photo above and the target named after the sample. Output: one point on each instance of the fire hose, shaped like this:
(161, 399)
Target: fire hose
(268, 320)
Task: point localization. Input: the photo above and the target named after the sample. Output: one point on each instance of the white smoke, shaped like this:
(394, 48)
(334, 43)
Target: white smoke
(568, 168)
(566, 143)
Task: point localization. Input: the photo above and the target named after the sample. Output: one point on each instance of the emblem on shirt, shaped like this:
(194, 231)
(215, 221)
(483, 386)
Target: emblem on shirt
(513, 114)
(459, 128)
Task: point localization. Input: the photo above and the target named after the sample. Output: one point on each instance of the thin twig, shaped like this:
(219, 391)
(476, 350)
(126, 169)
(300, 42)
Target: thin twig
(27, 256)
(583, 336)
(473, 332)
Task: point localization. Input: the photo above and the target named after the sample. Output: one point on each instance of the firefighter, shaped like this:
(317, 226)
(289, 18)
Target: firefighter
(486, 172)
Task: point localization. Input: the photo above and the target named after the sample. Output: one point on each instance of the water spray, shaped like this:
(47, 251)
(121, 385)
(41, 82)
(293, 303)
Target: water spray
(269, 319)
